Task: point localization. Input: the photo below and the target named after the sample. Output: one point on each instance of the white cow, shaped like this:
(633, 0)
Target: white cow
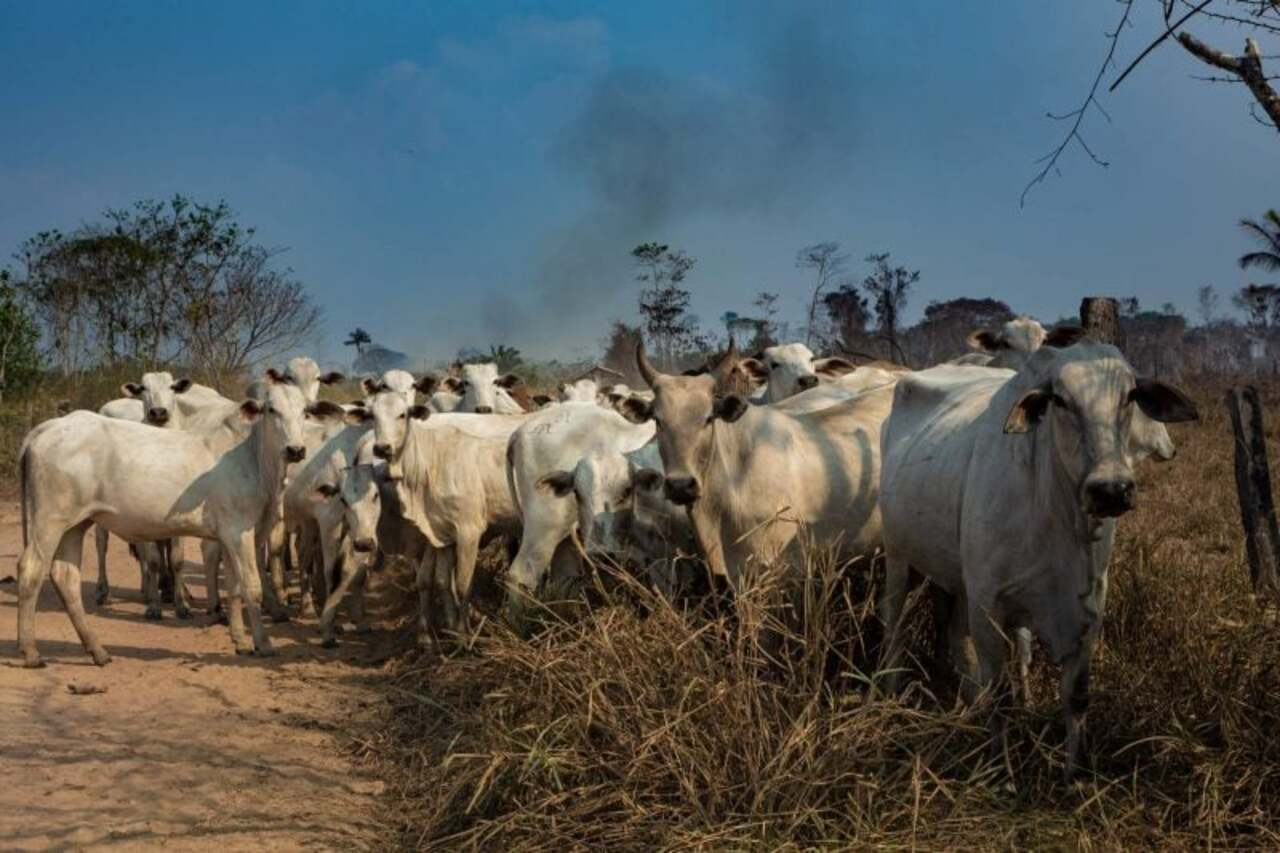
(450, 476)
(551, 440)
(150, 556)
(788, 369)
(1012, 342)
(579, 391)
(147, 484)
(753, 476)
(303, 372)
(1005, 490)
(480, 389)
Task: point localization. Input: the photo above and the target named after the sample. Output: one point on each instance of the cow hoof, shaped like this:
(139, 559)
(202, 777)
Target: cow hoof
(102, 597)
(265, 652)
(280, 616)
(338, 629)
(153, 613)
(182, 613)
(166, 597)
(329, 643)
(33, 662)
(100, 657)
(244, 650)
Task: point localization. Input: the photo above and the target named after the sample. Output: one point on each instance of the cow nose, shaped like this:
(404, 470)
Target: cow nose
(1111, 498)
(484, 410)
(158, 415)
(295, 453)
(364, 546)
(382, 451)
(807, 382)
(682, 491)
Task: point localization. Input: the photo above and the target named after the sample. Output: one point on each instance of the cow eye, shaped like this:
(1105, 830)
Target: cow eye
(773, 365)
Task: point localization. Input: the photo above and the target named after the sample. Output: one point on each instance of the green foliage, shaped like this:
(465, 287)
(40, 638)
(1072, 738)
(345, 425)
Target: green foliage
(19, 338)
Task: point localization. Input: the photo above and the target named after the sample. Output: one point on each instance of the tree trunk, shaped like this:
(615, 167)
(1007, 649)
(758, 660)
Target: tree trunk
(1253, 487)
(1100, 316)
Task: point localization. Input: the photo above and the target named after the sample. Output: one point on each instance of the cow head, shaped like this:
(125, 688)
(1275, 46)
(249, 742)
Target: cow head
(685, 410)
(1087, 397)
(391, 413)
(1010, 344)
(788, 369)
(357, 495)
(158, 393)
(483, 391)
(281, 414)
(305, 373)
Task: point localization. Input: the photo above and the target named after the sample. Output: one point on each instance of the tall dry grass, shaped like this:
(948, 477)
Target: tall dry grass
(643, 725)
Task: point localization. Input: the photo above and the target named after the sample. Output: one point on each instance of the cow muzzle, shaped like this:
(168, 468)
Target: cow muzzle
(364, 546)
(682, 491)
(1110, 498)
(382, 451)
(158, 416)
(804, 383)
(295, 453)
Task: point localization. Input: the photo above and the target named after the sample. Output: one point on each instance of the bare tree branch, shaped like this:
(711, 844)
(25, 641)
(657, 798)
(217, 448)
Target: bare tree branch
(1050, 160)
(1248, 68)
(1170, 29)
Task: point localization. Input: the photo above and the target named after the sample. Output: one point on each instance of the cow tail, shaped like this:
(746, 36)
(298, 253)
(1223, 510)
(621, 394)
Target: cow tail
(22, 490)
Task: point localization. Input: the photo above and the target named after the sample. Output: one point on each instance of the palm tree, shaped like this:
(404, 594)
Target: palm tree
(1267, 233)
(358, 339)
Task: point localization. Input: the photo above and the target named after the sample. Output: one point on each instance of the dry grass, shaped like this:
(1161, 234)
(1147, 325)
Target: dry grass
(652, 727)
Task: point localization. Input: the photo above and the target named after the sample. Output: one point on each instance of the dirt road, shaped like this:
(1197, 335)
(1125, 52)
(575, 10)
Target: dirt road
(190, 747)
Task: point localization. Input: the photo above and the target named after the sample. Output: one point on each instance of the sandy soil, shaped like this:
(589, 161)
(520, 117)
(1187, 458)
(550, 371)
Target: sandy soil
(190, 747)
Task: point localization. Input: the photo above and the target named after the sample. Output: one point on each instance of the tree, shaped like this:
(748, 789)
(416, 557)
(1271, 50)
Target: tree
(664, 304)
(507, 358)
(160, 282)
(1260, 304)
(889, 287)
(827, 263)
(946, 325)
(767, 304)
(620, 351)
(1207, 299)
(847, 309)
(1267, 235)
(359, 339)
(19, 353)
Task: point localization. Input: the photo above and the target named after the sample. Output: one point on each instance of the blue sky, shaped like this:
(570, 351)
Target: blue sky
(448, 173)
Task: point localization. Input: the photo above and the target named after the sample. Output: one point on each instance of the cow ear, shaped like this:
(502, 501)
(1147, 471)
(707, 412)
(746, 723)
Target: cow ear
(1028, 411)
(1064, 336)
(1162, 402)
(331, 377)
(324, 491)
(323, 410)
(647, 479)
(419, 412)
(358, 403)
(250, 410)
(426, 384)
(636, 410)
(729, 408)
(131, 389)
(278, 378)
(510, 380)
(985, 340)
(559, 483)
(754, 369)
(834, 366)
(452, 384)
(370, 385)
(182, 386)
(357, 415)
(541, 400)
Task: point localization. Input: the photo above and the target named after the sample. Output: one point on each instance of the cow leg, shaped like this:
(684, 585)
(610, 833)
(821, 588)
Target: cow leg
(331, 547)
(1074, 689)
(66, 580)
(239, 553)
(897, 578)
(100, 541)
(211, 556)
(181, 595)
(1023, 640)
(992, 649)
(33, 568)
(311, 596)
(352, 578)
(424, 579)
(275, 563)
(147, 556)
(167, 593)
(466, 552)
(359, 615)
(443, 587)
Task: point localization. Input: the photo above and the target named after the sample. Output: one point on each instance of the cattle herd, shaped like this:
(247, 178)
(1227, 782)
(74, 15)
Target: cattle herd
(999, 477)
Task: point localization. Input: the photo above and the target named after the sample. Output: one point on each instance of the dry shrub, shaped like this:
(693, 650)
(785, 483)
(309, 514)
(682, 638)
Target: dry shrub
(643, 725)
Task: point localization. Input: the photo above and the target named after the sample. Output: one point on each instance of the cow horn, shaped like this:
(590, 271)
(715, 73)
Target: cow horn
(724, 368)
(647, 370)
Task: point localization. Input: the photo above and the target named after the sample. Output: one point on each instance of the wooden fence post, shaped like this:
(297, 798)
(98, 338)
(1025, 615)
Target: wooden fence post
(1100, 316)
(1253, 487)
